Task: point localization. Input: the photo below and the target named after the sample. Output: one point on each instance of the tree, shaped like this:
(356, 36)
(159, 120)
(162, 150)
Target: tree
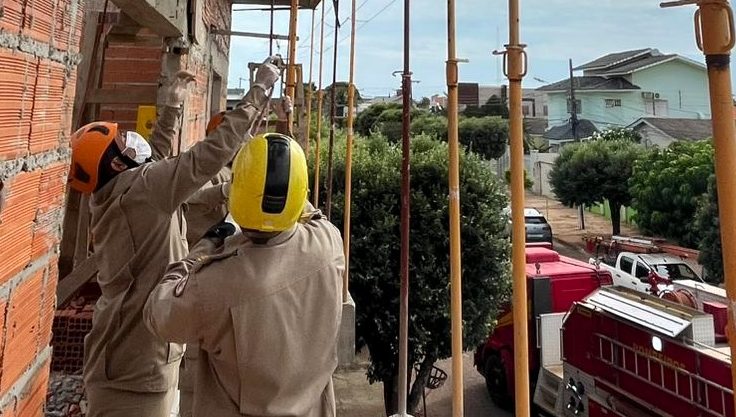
(424, 103)
(375, 251)
(708, 222)
(666, 185)
(486, 136)
(594, 171)
(494, 106)
(617, 133)
(366, 120)
(430, 125)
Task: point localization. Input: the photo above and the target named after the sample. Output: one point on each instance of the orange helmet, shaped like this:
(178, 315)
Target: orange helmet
(214, 122)
(89, 145)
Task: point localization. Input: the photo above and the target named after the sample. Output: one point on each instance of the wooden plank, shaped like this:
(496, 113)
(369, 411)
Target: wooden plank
(127, 95)
(154, 15)
(81, 275)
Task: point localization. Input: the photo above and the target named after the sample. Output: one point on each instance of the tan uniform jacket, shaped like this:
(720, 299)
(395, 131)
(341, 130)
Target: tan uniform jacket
(205, 208)
(137, 230)
(266, 318)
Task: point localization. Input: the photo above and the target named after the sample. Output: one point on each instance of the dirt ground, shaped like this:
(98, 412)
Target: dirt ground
(357, 398)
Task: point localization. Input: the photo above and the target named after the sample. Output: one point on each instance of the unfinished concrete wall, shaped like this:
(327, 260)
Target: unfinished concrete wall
(38, 57)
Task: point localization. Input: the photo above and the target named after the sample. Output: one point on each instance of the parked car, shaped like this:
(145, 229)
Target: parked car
(632, 270)
(537, 228)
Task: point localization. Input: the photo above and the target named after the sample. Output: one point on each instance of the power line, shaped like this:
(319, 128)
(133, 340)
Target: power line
(366, 22)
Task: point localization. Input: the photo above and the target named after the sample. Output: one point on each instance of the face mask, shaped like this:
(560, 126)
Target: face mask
(140, 145)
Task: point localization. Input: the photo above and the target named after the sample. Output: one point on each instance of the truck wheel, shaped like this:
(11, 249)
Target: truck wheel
(496, 384)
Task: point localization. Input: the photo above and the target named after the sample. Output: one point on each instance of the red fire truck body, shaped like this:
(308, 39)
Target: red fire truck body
(554, 283)
(623, 353)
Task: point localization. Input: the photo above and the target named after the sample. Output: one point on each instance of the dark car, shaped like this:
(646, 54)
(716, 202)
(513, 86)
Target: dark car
(537, 228)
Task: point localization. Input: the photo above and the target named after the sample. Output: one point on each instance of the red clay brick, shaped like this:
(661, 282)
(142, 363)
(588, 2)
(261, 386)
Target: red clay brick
(47, 108)
(48, 306)
(117, 52)
(22, 333)
(3, 307)
(31, 403)
(12, 16)
(17, 88)
(16, 229)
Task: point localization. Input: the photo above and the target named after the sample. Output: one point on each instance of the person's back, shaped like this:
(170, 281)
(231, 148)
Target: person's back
(265, 309)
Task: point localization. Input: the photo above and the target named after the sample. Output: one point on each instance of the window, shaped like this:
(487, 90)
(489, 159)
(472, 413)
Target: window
(626, 264)
(613, 102)
(578, 106)
(656, 107)
(545, 110)
(642, 272)
(525, 110)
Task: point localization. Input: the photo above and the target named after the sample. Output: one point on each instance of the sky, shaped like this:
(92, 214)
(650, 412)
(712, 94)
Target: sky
(553, 30)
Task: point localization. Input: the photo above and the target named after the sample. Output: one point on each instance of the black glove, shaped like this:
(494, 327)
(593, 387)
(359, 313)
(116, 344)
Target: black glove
(220, 231)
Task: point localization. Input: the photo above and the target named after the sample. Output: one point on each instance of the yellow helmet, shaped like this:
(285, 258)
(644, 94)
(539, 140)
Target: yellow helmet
(269, 186)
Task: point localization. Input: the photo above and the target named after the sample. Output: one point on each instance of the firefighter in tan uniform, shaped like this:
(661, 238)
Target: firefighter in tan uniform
(264, 305)
(137, 230)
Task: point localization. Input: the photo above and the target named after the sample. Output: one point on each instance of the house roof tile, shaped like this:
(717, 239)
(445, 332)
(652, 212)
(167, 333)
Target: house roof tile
(591, 83)
(585, 129)
(614, 58)
(682, 129)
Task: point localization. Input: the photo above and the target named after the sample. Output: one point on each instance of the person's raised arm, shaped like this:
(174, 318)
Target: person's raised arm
(172, 181)
(167, 123)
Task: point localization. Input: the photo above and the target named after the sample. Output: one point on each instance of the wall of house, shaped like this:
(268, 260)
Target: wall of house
(39, 56)
(684, 86)
(594, 108)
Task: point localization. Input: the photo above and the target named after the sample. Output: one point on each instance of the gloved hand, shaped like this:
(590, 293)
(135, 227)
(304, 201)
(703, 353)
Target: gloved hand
(283, 108)
(175, 90)
(268, 73)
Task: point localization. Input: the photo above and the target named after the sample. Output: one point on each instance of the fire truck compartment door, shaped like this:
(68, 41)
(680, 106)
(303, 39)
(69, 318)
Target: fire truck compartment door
(549, 338)
(643, 315)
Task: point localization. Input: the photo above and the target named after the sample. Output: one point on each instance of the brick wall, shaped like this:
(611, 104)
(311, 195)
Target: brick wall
(127, 64)
(38, 55)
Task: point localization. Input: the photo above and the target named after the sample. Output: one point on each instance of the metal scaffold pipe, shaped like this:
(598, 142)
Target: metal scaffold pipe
(349, 157)
(320, 97)
(456, 301)
(333, 114)
(291, 78)
(515, 69)
(308, 129)
(715, 36)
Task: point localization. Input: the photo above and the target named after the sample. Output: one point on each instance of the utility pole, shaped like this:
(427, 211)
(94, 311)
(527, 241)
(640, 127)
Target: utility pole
(574, 125)
(573, 106)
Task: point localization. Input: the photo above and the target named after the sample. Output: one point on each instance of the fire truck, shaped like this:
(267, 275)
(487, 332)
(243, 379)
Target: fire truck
(602, 350)
(554, 283)
(623, 353)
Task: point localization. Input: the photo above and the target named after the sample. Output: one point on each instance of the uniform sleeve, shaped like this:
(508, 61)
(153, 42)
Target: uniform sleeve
(172, 310)
(170, 182)
(164, 132)
(204, 201)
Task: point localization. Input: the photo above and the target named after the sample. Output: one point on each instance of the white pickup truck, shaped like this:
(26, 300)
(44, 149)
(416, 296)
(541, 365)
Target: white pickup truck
(631, 270)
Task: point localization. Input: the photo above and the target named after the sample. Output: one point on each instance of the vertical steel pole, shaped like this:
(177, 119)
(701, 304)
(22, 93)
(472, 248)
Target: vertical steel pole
(307, 139)
(349, 159)
(456, 306)
(515, 72)
(320, 97)
(291, 80)
(715, 36)
(714, 25)
(404, 375)
(333, 115)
